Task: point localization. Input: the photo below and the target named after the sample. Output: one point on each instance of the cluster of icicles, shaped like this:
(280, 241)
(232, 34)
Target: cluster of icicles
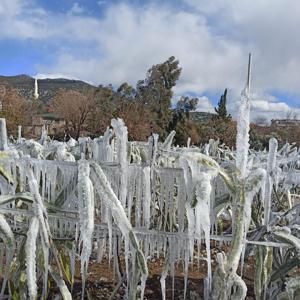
(96, 183)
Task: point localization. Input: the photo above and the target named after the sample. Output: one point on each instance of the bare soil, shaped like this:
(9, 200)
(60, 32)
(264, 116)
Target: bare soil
(101, 282)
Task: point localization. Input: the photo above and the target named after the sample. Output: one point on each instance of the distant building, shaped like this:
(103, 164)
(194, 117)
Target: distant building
(285, 122)
(52, 123)
(201, 117)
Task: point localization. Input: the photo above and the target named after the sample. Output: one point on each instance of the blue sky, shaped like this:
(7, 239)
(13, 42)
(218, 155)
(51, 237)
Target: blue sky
(102, 42)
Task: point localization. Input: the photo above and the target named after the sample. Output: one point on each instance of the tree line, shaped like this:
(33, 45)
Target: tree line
(145, 108)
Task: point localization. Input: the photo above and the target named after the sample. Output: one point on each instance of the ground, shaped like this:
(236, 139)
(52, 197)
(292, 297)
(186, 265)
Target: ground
(101, 282)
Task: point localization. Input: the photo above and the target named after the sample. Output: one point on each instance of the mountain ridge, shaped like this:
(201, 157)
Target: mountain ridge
(47, 87)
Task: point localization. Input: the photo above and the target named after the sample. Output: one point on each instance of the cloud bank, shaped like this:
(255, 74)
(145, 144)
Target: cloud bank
(211, 39)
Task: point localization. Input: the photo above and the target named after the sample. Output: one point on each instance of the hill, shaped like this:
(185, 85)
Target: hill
(47, 88)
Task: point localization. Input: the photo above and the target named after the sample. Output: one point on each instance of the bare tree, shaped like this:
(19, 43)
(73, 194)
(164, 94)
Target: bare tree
(261, 120)
(291, 114)
(74, 107)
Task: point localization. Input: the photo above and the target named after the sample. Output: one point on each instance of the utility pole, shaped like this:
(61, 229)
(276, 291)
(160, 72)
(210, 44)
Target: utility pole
(249, 75)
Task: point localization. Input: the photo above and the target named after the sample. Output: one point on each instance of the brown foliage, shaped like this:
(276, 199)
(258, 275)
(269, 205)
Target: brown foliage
(137, 120)
(15, 109)
(103, 111)
(286, 134)
(74, 107)
(220, 129)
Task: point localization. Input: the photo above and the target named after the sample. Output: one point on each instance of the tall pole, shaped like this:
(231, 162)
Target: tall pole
(249, 74)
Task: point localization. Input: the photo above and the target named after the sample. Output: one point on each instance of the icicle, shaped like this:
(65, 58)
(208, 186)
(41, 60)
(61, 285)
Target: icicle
(168, 141)
(188, 142)
(30, 252)
(153, 141)
(109, 225)
(72, 256)
(289, 198)
(146, 196)
(71, 143)
(62, 154)
(3, 135)
(143, 285)
(44, 136)
(110, 199)
(163, 277)
(186, 270)
(86, 215)
(202, 215)
(191, 228)
(271, 165)
(122, 140)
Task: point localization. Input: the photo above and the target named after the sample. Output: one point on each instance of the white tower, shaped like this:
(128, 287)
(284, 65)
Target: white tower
(36, 94)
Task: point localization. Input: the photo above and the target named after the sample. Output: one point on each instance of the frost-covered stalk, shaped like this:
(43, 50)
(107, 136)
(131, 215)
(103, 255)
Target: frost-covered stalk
(107, 147)
(7, 236)
(222, 288)
(30, 251)
(168, 141)
(122, 140)
(86, 214)
(202, 213)
(242, 138)
(153, 141)
(188, 143)
(40, 210)
(66, 295)
(3, 135)
(198, 183)
(271, 164)
(19, 133)
(42, 216)
(263, 267)
(242, 148)
(43, 135)
(109, 198)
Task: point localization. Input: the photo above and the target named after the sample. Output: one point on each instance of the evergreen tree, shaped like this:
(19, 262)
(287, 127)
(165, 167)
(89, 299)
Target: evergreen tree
(155, 92)
(221, 110)
(181, 122)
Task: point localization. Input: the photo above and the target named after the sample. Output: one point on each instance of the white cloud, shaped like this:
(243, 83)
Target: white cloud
(127, 41)
(211, 42)
(10, 8)
(54, 76)
(101, 2)
(270, 106)
(205, 105)
(266, 28)
(76, 8)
